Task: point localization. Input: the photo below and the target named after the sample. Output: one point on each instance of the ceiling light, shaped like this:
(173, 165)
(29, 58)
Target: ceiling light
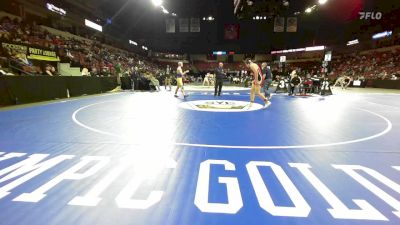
(257, 17)
(164, 10)
(285, 3)
(210, 18)
(133, 42)
(315, 48)
(353, 42)
(157, 2)
(308, 10)
(265, 17)
(321, 2)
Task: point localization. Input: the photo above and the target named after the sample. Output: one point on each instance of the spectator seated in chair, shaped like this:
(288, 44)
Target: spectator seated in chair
(154, 82)
(295, 81)
(3, 72)
(85, 72)
(307, 85)
(48, 70)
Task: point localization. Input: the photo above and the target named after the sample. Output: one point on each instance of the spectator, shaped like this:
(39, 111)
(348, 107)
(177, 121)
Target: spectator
(295, 81)
(85, 72)
(3, 72)
(135, 79)
(49, 70)
(154, 82)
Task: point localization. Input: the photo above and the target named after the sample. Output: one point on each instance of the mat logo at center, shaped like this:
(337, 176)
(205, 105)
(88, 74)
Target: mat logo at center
(220, 106)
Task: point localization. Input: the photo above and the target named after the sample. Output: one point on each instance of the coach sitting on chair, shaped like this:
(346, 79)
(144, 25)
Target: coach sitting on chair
(219, 79)
(294, 83)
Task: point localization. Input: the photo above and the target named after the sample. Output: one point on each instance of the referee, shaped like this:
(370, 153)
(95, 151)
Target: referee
(219, 79)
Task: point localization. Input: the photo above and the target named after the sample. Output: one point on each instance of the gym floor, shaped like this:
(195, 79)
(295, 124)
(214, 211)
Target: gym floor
(149, 158)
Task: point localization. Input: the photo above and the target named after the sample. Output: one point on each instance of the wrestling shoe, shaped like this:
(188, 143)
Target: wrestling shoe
(267, 104)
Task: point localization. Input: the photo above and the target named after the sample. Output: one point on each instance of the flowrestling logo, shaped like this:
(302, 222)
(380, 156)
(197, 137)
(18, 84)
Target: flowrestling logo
(370, 15)
(220, 106)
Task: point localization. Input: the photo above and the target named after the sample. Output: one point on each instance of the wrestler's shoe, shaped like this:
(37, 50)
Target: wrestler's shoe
(267, 104)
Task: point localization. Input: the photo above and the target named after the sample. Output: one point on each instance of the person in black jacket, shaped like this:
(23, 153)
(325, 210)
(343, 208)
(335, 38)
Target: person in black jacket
(267, 75)
(135, 79)
(219, 79)
(294, 83)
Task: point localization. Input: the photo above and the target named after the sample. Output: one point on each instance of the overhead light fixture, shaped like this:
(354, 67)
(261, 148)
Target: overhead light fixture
(210, 18)
(265, 17)
(157, 3)
(56, 9)
(164, 10)
(382, 34)
(257, 17)
(285, 3)
(310, 9)
(315, 48)
(173, 14)
(296, 13)
(133, 42)
(93, 25)
(321, 2)
(353, 42)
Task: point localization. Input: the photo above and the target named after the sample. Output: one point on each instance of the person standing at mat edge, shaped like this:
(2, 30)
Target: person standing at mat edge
(267, 76)
(219, 79)
(167, 81)
(179, 79)
(256, 83)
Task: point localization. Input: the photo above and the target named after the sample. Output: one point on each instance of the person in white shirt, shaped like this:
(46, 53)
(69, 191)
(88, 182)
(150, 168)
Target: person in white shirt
(85, 72)
(207, 79)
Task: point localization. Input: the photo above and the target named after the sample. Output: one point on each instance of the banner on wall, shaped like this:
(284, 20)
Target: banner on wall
(231, 31)
(194, 24)
(279, 24)
(170, 25)
(291, 24)
(30, 52)
(184, 25)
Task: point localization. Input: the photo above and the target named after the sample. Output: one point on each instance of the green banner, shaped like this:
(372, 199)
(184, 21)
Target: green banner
(41, 54)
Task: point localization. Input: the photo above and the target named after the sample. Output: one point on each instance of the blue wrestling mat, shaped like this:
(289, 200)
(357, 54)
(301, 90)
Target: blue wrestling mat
(152, 159)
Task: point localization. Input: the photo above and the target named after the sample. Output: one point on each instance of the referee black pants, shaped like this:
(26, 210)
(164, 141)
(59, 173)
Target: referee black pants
(218, 87)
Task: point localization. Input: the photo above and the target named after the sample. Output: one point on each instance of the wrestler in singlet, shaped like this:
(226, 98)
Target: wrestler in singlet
(179, 79)
(257, 80)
